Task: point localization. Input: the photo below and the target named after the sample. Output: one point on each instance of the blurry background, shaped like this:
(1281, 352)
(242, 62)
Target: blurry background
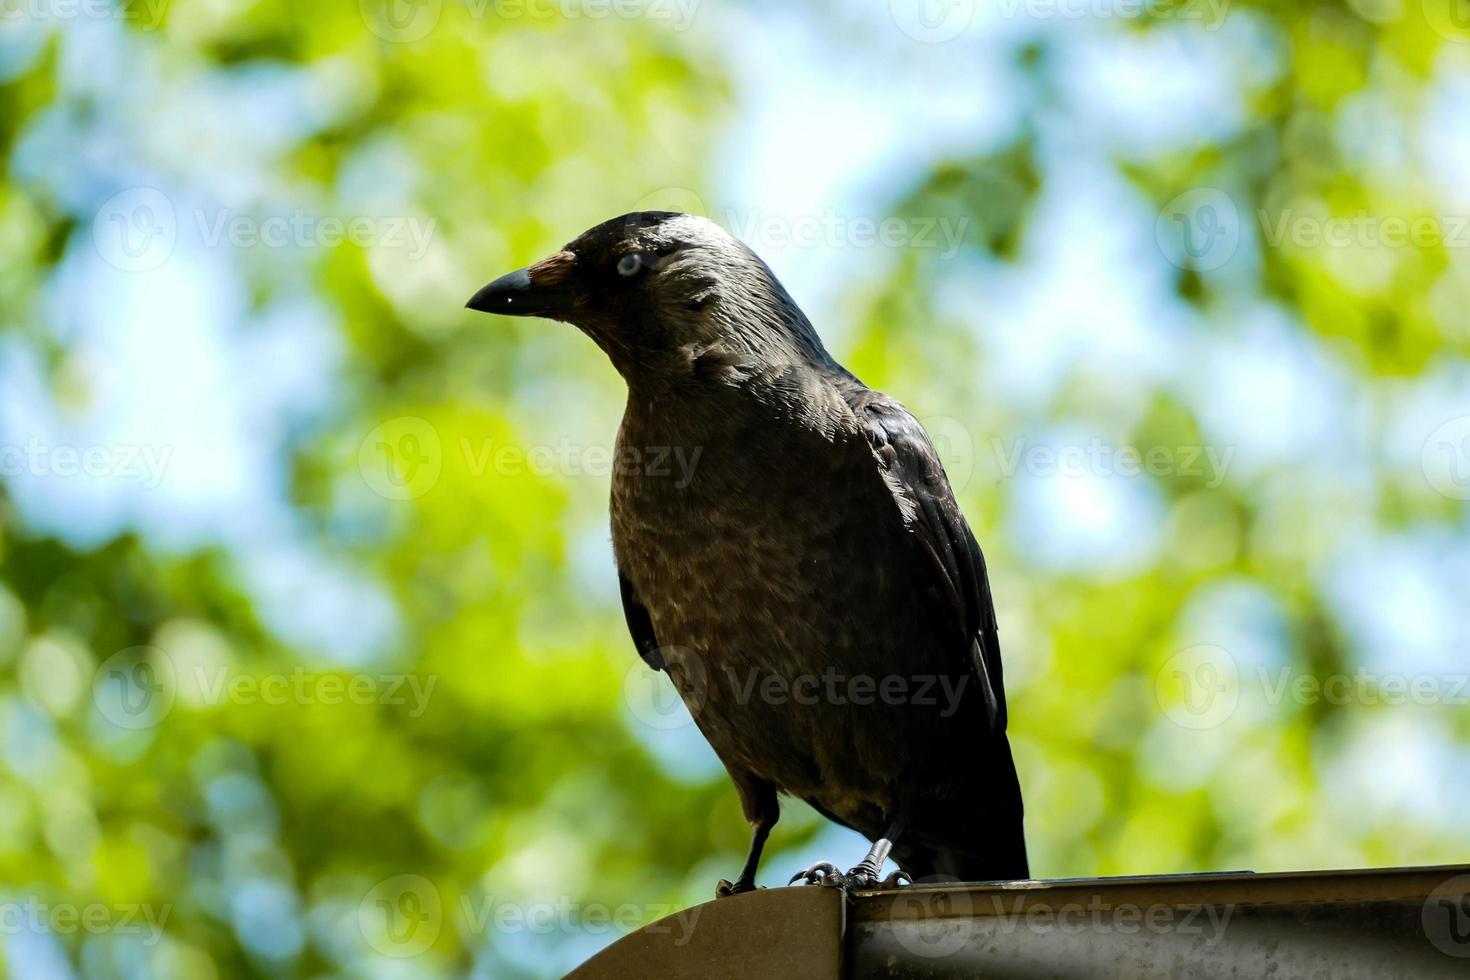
(311, 657)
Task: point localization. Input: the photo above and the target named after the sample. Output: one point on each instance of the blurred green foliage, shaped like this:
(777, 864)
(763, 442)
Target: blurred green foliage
(511, 767)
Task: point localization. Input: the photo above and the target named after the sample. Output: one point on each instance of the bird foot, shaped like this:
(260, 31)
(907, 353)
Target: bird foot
(725, 888)
(863, 877)
(823, 873)
(897, 878)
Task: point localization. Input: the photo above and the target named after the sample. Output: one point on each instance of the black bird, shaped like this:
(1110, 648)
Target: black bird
(810, 585)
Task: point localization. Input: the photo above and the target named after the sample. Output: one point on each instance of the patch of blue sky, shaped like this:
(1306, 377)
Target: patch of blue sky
(1266, 388)
(1241, 616)
(36, 954)
(1442, 136)
(1392, 768)
(1076, 503)
(1402, 599)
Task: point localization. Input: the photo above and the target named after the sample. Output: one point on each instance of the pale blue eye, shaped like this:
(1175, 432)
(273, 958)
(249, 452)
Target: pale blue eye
(629, 264)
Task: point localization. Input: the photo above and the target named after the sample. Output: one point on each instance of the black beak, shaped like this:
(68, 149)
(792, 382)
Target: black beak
(514, 294)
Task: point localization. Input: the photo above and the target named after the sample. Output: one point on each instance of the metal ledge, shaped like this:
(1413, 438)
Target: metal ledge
(1411, 923)
(776, 932)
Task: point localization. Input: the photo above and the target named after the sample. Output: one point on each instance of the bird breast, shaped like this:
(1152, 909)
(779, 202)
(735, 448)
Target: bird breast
(777, 576)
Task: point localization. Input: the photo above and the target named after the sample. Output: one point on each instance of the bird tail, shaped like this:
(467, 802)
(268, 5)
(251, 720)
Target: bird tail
(979, 837)
(995, 850)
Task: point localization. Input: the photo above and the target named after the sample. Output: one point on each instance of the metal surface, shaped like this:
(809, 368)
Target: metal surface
(1393, 923)
(778, 932)
(1389, 923)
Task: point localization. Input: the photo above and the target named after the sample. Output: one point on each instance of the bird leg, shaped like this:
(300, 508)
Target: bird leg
(746, 881)
(865, 875)
(762, 809)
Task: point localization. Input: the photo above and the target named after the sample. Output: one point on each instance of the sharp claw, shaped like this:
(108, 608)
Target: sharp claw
(726, 888)
(821, 873)
(899, 877)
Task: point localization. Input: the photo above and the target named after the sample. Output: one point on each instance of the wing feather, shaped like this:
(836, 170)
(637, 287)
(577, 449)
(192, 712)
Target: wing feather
(640, 624)
(914, 473)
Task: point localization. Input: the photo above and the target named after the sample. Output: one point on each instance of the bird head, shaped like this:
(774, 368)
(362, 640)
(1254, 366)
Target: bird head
(655, 290)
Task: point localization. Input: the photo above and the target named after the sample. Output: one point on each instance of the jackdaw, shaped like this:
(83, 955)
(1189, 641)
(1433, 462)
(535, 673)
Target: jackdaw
(811, 586)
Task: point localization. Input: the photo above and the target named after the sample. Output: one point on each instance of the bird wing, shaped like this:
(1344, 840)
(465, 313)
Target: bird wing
(914, 474)
(640, 624)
